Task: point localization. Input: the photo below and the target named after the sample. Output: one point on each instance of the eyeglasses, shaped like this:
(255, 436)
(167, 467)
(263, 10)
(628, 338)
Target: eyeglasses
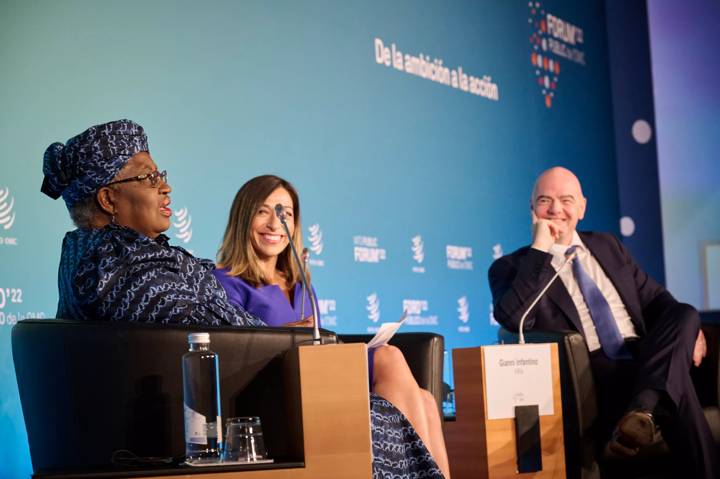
(155, 177)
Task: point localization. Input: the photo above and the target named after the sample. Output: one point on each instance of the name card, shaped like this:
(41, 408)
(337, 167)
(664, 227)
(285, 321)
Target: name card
(517, 375)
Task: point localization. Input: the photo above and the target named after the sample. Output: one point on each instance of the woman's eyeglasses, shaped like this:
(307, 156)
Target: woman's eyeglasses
(155, 178)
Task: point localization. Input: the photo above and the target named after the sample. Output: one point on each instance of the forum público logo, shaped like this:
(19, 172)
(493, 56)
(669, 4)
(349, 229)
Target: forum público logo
(7, 215)
(552, 39)
(183, 225)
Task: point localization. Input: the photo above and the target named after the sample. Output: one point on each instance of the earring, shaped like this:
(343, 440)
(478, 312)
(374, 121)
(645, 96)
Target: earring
(112, 219)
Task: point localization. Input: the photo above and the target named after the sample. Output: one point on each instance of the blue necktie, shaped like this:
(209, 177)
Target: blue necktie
(607, 330)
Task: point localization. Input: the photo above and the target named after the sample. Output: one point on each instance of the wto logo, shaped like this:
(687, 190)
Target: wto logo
(315, 237)
(183, 225)
(373, 307)
(497, 251)
(463, 310)
(418, 251)
(552, 38)
(491, 316)
(7, 215)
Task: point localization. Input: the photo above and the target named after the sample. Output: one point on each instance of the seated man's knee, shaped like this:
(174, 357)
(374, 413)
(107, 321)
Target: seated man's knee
(687, 318)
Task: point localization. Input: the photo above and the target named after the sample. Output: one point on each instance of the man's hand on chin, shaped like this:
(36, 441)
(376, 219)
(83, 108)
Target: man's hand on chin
(545, 233)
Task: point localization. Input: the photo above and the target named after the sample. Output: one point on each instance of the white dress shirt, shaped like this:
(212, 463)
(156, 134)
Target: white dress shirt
(593, 269)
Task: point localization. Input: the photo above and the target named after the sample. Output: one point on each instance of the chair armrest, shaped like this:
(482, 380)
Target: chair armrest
(706, 377)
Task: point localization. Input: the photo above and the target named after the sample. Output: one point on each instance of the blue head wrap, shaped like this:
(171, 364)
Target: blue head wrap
(90, 160)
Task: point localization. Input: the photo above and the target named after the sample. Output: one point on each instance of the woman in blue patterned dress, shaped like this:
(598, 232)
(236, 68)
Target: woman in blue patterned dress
(257, 270)
(117, 265)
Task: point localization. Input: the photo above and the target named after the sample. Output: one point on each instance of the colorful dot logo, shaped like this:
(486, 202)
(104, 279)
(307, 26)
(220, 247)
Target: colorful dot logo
(553, 39)
(545, 66)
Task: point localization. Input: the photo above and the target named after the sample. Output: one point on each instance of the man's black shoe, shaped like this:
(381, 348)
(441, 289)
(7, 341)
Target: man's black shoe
(636, 429)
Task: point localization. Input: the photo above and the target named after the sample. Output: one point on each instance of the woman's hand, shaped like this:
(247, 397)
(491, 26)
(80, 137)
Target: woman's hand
(303, 323)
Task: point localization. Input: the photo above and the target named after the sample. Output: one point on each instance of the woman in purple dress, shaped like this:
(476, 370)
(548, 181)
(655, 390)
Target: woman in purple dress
(257, 270)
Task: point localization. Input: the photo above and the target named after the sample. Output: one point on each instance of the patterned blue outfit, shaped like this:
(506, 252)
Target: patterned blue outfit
(398, 451)
(117, 274)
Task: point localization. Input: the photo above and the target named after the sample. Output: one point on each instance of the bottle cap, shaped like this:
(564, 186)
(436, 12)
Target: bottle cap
(199, 338)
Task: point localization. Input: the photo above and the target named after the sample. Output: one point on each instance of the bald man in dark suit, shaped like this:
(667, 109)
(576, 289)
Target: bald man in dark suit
(642, 342)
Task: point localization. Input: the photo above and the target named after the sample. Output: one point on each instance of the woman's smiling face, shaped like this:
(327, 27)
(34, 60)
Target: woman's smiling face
(267, 233)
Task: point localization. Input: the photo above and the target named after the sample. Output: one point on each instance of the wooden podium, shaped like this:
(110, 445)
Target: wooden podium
(479, 447)
(333, 387)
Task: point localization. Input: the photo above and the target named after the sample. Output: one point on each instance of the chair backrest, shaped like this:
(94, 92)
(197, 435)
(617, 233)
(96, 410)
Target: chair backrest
(89, 389)
(423, 353)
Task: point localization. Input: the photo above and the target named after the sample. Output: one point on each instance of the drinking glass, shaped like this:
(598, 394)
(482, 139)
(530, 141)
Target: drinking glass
(244, 440)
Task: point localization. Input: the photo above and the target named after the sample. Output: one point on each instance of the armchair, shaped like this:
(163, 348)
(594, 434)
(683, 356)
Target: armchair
(89, 389)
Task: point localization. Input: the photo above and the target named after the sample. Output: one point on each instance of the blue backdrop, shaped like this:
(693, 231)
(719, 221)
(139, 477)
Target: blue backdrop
(412, 130)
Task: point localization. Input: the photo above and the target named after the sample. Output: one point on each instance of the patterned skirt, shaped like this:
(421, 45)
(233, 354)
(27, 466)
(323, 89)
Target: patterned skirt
(398, 452)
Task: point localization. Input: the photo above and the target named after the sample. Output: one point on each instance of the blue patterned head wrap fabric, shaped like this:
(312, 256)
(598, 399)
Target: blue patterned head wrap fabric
(77, 169)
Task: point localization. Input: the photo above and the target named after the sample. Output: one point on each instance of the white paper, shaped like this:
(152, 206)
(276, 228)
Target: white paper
(517, 375)
(386, 331)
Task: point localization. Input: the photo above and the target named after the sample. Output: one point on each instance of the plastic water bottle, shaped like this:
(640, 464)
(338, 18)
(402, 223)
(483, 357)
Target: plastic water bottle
(448, 404)
(201, 398)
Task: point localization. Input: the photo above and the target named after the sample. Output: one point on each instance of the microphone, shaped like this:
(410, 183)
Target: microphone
(306, 258)
(280, 213)
(306, 264)
(568, 259)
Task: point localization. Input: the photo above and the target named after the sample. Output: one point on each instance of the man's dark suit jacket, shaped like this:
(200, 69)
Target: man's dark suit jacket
(516, 279)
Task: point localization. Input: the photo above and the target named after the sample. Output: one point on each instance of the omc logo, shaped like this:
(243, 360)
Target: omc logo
(552, 38)
(373, 307)
(497, 251)
(315, 237)
(7, 215)
(418, 251)
(463, 310)
(327, 312)
(183, 225)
